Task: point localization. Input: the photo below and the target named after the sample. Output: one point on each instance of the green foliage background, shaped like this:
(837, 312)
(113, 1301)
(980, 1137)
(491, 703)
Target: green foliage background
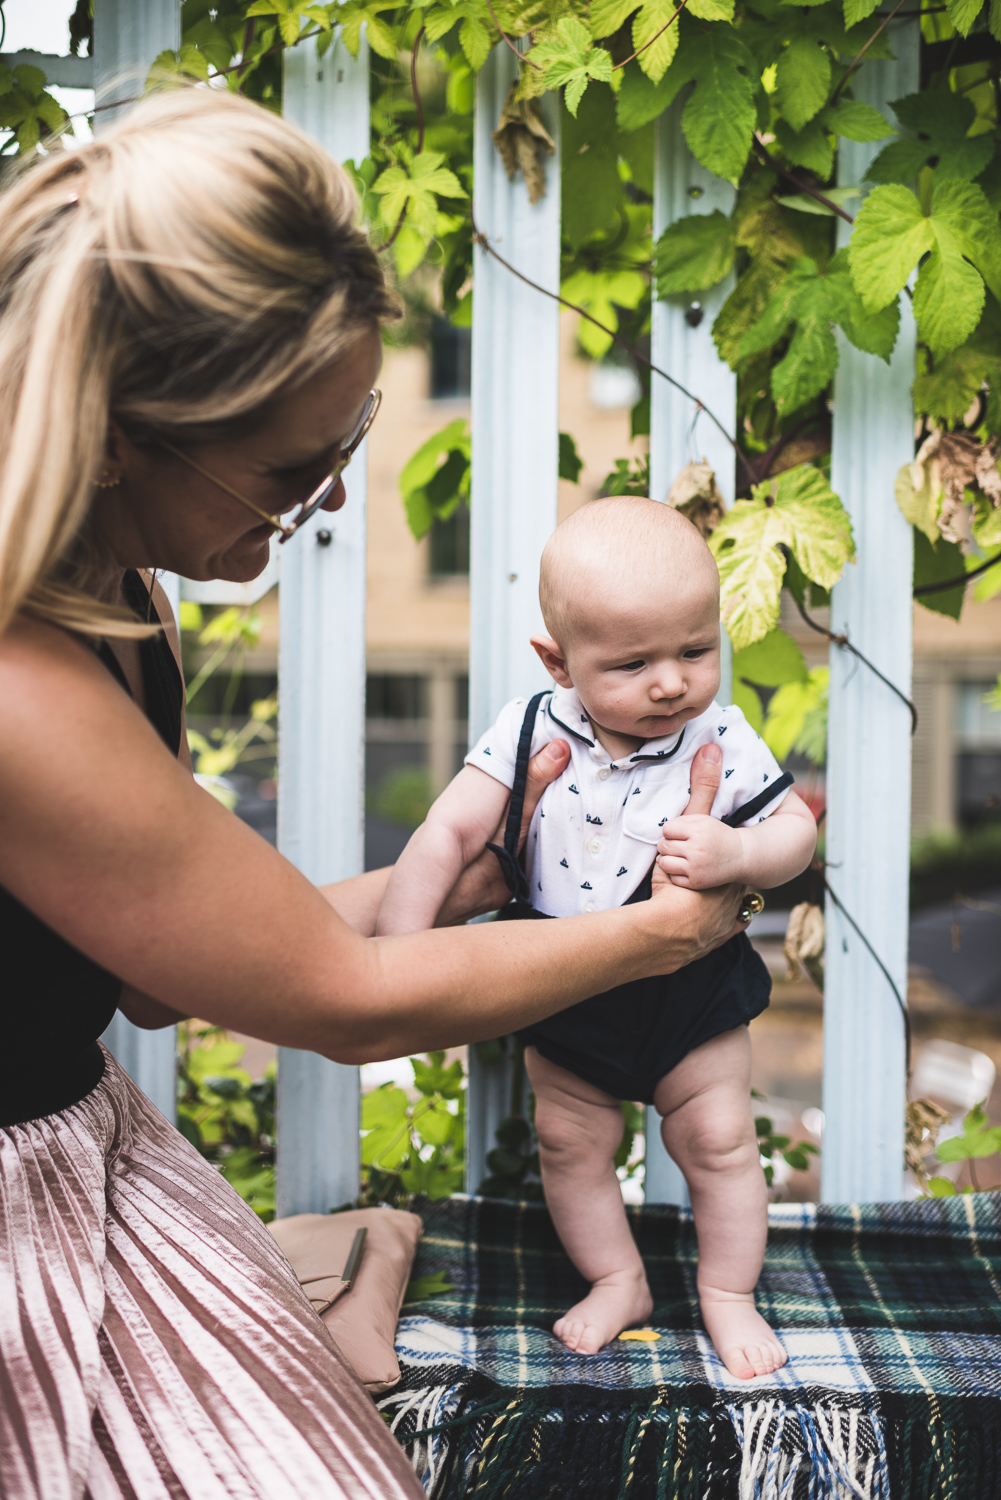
(767, 91)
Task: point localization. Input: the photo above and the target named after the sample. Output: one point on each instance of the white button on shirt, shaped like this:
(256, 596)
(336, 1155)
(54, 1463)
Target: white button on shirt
(629, 800)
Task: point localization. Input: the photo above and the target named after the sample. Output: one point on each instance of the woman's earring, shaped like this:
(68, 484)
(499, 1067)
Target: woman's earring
(104, 482)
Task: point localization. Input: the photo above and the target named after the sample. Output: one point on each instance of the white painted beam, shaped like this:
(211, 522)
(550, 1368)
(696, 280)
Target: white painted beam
(60, 72)
(869, 744)
(515, 414)
(680, 433)
(128, 35)
(321, 725)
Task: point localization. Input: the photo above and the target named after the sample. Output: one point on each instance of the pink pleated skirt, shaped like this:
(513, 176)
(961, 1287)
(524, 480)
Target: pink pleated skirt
(154, 1343)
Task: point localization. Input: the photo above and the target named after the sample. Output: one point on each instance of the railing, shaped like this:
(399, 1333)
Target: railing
(514, 416)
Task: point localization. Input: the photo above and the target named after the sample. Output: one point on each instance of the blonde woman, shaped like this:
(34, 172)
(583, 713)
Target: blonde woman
(189, 343)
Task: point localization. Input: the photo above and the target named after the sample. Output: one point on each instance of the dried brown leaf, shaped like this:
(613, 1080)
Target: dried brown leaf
(696, 494)
(522, 140)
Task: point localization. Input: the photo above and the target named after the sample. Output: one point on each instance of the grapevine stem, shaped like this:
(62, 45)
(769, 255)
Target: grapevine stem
(845, 644)
(803, 186)
(484, 243)
(862, 52)
(954, 583)
(508, 42)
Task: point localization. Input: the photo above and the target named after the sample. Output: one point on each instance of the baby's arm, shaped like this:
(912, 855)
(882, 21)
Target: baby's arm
(700, 851)
(451, 837)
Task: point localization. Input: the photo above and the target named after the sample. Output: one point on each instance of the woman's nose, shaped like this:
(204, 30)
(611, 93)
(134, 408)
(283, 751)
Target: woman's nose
(338, 495)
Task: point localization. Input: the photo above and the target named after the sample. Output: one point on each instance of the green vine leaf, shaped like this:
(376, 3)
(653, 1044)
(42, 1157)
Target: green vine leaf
(797, 510)
(719, 118)
(811, 303)
(600, 293)
(473, 19)
(959, 236)
(353, 16)
(858, 10)
(919, 506)
(802, 81)
(291, 16)
(416, 191)
(694, 253)
(856, 121)
(963, 13)
(797, 717)
(606, 16)
(572, 60)
(810, 147)
(655, 56)
(436, 479)
(940, 122)
(26, 108)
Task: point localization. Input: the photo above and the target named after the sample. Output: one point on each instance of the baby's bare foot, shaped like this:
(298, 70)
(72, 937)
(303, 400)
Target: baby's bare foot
(740, 1335)
(613, 1303)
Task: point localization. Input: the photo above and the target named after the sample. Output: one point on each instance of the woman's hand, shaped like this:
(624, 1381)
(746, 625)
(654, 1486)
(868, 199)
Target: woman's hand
(481, 886)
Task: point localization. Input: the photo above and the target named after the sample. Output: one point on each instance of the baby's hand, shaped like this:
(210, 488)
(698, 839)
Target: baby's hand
(699, 852)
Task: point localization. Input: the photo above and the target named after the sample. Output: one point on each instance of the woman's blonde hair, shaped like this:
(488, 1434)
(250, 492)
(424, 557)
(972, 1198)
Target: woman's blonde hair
(175, 275)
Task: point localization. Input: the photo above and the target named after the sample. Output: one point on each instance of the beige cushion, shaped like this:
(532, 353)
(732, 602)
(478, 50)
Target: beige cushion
(363, 1319)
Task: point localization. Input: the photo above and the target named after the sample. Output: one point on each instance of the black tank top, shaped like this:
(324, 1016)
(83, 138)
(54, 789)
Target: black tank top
(57, 1001)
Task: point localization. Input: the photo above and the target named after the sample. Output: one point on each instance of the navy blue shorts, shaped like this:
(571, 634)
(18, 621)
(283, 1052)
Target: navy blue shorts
(626, 1040)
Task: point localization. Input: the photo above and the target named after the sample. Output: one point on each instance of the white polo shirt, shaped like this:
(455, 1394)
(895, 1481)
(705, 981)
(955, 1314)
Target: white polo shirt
(593, 836)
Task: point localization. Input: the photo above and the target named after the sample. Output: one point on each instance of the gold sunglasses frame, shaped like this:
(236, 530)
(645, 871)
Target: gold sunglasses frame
(323, 490)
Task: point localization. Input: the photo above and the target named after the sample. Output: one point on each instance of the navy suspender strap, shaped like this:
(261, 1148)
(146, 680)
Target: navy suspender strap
(741, 814)
(517, 883)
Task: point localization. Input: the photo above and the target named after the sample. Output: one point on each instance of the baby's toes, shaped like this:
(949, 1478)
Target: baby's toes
(568, 1333)
(736, 1361)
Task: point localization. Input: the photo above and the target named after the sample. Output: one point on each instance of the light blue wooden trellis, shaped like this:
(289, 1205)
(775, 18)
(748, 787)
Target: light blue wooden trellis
(515, 388)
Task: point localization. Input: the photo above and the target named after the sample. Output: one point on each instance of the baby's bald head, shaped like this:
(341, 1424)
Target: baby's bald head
(623, 553)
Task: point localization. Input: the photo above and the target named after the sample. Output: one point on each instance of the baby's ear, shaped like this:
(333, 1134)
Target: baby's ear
(552, 658)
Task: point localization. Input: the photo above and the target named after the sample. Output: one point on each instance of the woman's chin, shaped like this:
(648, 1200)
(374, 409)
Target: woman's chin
(242, 563)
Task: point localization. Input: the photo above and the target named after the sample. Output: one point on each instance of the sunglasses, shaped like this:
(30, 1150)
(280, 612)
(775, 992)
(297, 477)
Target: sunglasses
(324, 489)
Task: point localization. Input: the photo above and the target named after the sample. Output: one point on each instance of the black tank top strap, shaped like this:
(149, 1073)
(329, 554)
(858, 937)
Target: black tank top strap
(514, 875)
(163, 686)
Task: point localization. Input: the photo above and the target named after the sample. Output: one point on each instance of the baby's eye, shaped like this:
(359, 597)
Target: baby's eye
(695, 653)
(632, 666)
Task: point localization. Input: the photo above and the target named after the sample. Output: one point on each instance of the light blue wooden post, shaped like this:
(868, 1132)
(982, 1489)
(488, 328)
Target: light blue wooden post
(679, 433)
(515, 409)
(128, 36)
(321, 728)
(869, 740)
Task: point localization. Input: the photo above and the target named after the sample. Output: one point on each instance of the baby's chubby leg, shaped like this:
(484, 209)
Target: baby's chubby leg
(709, 1130)
(579, 1129)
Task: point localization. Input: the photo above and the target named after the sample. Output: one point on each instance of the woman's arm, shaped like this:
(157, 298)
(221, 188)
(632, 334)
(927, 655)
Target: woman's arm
(107, 839)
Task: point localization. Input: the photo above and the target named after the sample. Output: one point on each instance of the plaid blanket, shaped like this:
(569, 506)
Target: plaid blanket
(890, 1314)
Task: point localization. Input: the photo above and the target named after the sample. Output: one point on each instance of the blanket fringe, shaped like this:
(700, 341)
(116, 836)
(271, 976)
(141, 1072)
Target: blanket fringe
(524, 1445)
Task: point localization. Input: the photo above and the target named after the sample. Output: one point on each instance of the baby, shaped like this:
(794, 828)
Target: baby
(630, 596)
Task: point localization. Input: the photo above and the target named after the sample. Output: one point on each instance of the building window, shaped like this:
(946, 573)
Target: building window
(448, 553)
(451, 350)
(978, 736)
(395, 696)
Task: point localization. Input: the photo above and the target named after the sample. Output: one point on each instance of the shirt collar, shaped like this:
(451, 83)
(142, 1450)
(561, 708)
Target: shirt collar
(566, 710)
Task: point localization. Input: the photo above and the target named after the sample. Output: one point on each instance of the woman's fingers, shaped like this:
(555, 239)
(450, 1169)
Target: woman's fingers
(543, 769)
(707, 769)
